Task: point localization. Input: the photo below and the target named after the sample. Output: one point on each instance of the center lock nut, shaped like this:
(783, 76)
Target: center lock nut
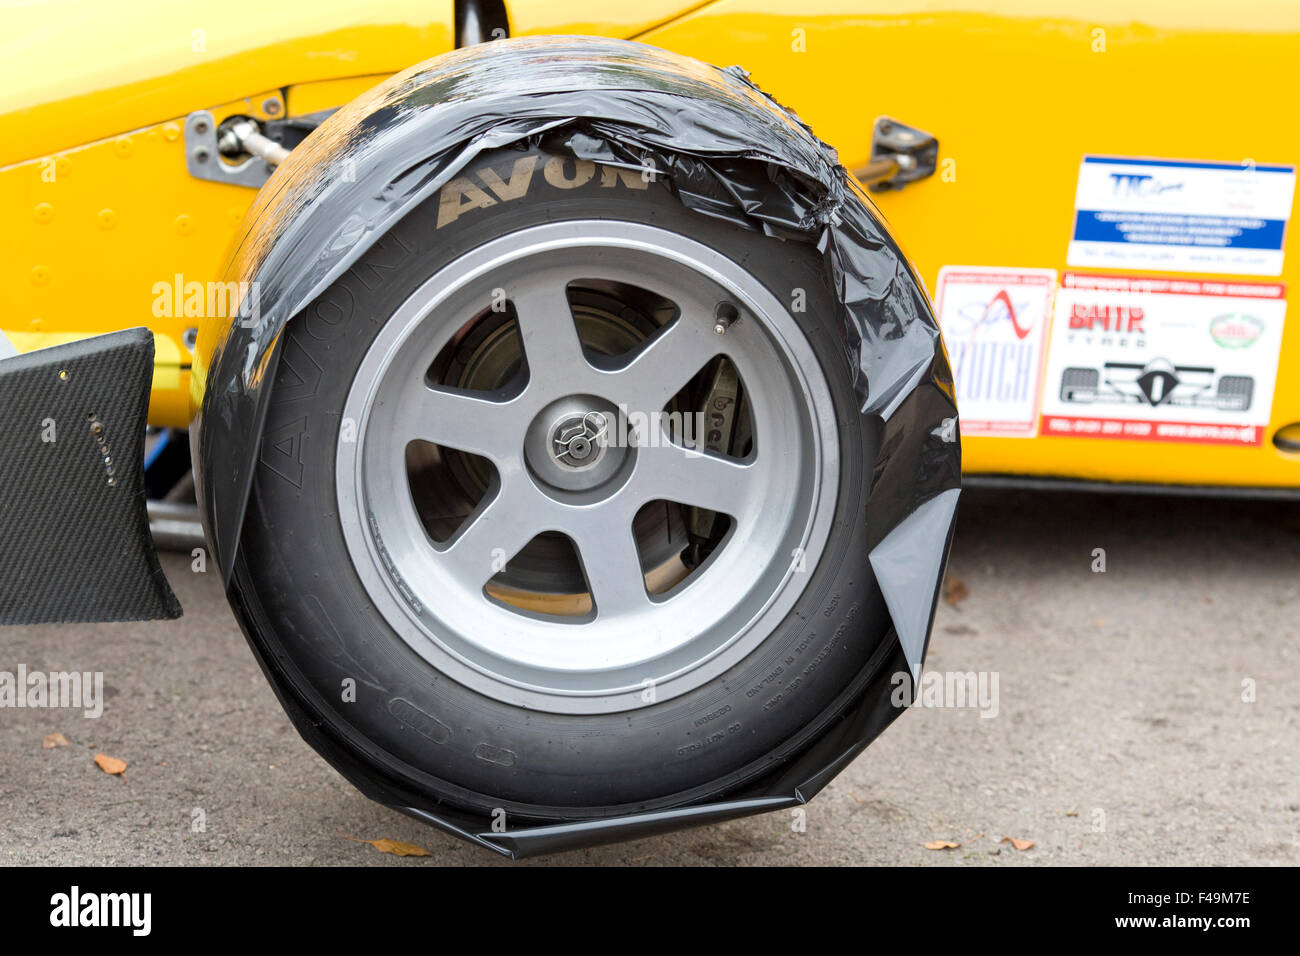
(572, 444)
(580, 442)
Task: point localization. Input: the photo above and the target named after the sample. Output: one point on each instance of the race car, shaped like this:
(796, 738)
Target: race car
(571, 425)
(1158, 382)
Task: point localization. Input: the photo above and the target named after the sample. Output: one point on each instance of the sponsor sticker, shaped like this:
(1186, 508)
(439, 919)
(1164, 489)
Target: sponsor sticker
(1175, 216)
(994, 323)
(1163, 359)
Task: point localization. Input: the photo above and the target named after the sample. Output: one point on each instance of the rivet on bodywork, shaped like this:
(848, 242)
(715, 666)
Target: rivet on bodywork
(184, 224)
(271, 107)
(107, 219)
(171, 132)
(40, 275)
(43, 212)
(123, 146)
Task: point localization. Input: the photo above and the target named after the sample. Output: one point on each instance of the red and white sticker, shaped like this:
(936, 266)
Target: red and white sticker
(1163, 359)
(994, 323)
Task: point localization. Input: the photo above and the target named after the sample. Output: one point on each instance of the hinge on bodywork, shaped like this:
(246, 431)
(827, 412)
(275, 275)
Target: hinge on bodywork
(900, 154)
(242, 151)
(203, 157)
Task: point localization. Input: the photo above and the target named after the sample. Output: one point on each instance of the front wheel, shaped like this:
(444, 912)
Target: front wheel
(561, 501)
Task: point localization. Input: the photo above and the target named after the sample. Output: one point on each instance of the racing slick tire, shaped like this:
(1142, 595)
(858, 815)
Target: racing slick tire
(494, 588)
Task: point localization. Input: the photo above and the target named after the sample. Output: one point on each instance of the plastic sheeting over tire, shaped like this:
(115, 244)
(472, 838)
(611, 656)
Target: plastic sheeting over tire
(726, 150)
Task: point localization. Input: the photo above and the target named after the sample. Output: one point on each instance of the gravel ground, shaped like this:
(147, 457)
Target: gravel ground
(1121, 734)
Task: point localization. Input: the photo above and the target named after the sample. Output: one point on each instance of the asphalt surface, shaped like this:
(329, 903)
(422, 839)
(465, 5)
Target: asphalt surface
(1121, 735)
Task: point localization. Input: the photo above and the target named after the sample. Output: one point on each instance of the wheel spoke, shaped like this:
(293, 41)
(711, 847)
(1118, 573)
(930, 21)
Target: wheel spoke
(690, 477)
(552, 348)
(610, 561)
(660, 370)
(462, 420)
(497, 531)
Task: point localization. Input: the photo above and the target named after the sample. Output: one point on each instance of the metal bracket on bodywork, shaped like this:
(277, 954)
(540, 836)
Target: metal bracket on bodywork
(203, 157)
(900, 154)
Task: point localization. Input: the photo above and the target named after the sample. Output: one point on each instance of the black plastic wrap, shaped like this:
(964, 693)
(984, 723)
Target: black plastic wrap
(727, 150)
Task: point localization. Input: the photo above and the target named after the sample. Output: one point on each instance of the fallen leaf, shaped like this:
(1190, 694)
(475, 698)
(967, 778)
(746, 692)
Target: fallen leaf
(942, 845)
(110, 764)
(54, 740)
(1018, 843)
(399, 849)
(395, 847)
(954, 590)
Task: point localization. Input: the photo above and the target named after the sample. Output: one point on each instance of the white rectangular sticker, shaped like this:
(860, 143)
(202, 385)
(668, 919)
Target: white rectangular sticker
(994, 323)
(1175, 216)
(1164, 359)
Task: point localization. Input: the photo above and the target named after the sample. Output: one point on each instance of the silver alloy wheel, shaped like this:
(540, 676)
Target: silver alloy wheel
(635, 648)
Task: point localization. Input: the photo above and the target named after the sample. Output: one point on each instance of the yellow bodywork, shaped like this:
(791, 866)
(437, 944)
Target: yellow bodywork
(104, 222)
(101, 209)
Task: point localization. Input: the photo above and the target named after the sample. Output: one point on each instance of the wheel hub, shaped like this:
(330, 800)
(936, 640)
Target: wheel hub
(571, 445)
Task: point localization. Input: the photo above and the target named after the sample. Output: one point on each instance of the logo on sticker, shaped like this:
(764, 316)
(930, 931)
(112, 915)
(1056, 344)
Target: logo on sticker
(1158, 382)
(1236, 330)
(1130, 184)
(998, 309)
(993, 322)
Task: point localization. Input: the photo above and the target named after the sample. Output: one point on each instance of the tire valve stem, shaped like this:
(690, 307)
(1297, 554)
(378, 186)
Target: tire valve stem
(724, 316)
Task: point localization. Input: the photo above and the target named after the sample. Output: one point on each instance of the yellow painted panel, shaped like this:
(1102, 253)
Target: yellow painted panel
(594, 17)
(75, 71)
(93, 231)
(329, 94)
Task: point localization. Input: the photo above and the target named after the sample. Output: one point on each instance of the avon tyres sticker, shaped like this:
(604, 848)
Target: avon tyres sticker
(1174, 216)
(1163, 359)
(994, 323)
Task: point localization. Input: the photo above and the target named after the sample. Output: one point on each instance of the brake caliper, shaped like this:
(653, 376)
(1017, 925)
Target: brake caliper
(721, 405)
